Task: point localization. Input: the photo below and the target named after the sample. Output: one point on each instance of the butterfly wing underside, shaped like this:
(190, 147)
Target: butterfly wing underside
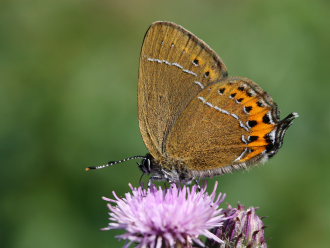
(174, 67)
(232, 124)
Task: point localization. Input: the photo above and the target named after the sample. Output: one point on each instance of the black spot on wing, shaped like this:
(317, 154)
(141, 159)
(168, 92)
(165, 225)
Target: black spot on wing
(252, 123)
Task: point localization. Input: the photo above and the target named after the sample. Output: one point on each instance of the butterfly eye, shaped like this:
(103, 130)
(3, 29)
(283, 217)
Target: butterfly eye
(207, 74)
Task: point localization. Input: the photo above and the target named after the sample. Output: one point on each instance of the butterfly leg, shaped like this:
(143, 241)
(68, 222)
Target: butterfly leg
(154, 178)
(168, 177)
(149, 183)
(197, 183)
(140, 180)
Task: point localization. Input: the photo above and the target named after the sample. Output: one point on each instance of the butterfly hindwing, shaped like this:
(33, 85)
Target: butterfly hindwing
(227, 125)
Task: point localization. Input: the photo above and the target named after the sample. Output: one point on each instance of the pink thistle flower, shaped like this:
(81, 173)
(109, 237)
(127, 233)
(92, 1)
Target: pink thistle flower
(244, 229)
(173, 217)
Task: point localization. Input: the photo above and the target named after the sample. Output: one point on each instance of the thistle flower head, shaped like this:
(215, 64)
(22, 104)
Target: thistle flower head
(173, 217)
(244, 229)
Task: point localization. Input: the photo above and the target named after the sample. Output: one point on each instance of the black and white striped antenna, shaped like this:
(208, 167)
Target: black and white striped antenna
(110, 163)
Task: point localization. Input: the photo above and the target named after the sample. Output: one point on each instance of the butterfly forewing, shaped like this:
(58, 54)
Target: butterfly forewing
(174, 67)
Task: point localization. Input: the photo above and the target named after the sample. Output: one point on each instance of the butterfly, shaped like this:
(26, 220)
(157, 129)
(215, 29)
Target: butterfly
(195, 120)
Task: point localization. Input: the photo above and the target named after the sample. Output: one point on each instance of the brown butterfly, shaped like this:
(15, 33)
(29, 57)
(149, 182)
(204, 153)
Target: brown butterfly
(195, 120)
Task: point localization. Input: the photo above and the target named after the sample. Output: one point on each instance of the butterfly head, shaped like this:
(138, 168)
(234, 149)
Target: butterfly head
(153, 168)
(146, 164)
(168, 171)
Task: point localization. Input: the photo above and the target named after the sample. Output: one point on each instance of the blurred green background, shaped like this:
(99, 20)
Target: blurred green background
(68, 86)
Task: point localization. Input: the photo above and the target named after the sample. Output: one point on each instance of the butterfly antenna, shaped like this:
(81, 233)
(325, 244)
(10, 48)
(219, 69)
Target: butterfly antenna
(110, 163)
